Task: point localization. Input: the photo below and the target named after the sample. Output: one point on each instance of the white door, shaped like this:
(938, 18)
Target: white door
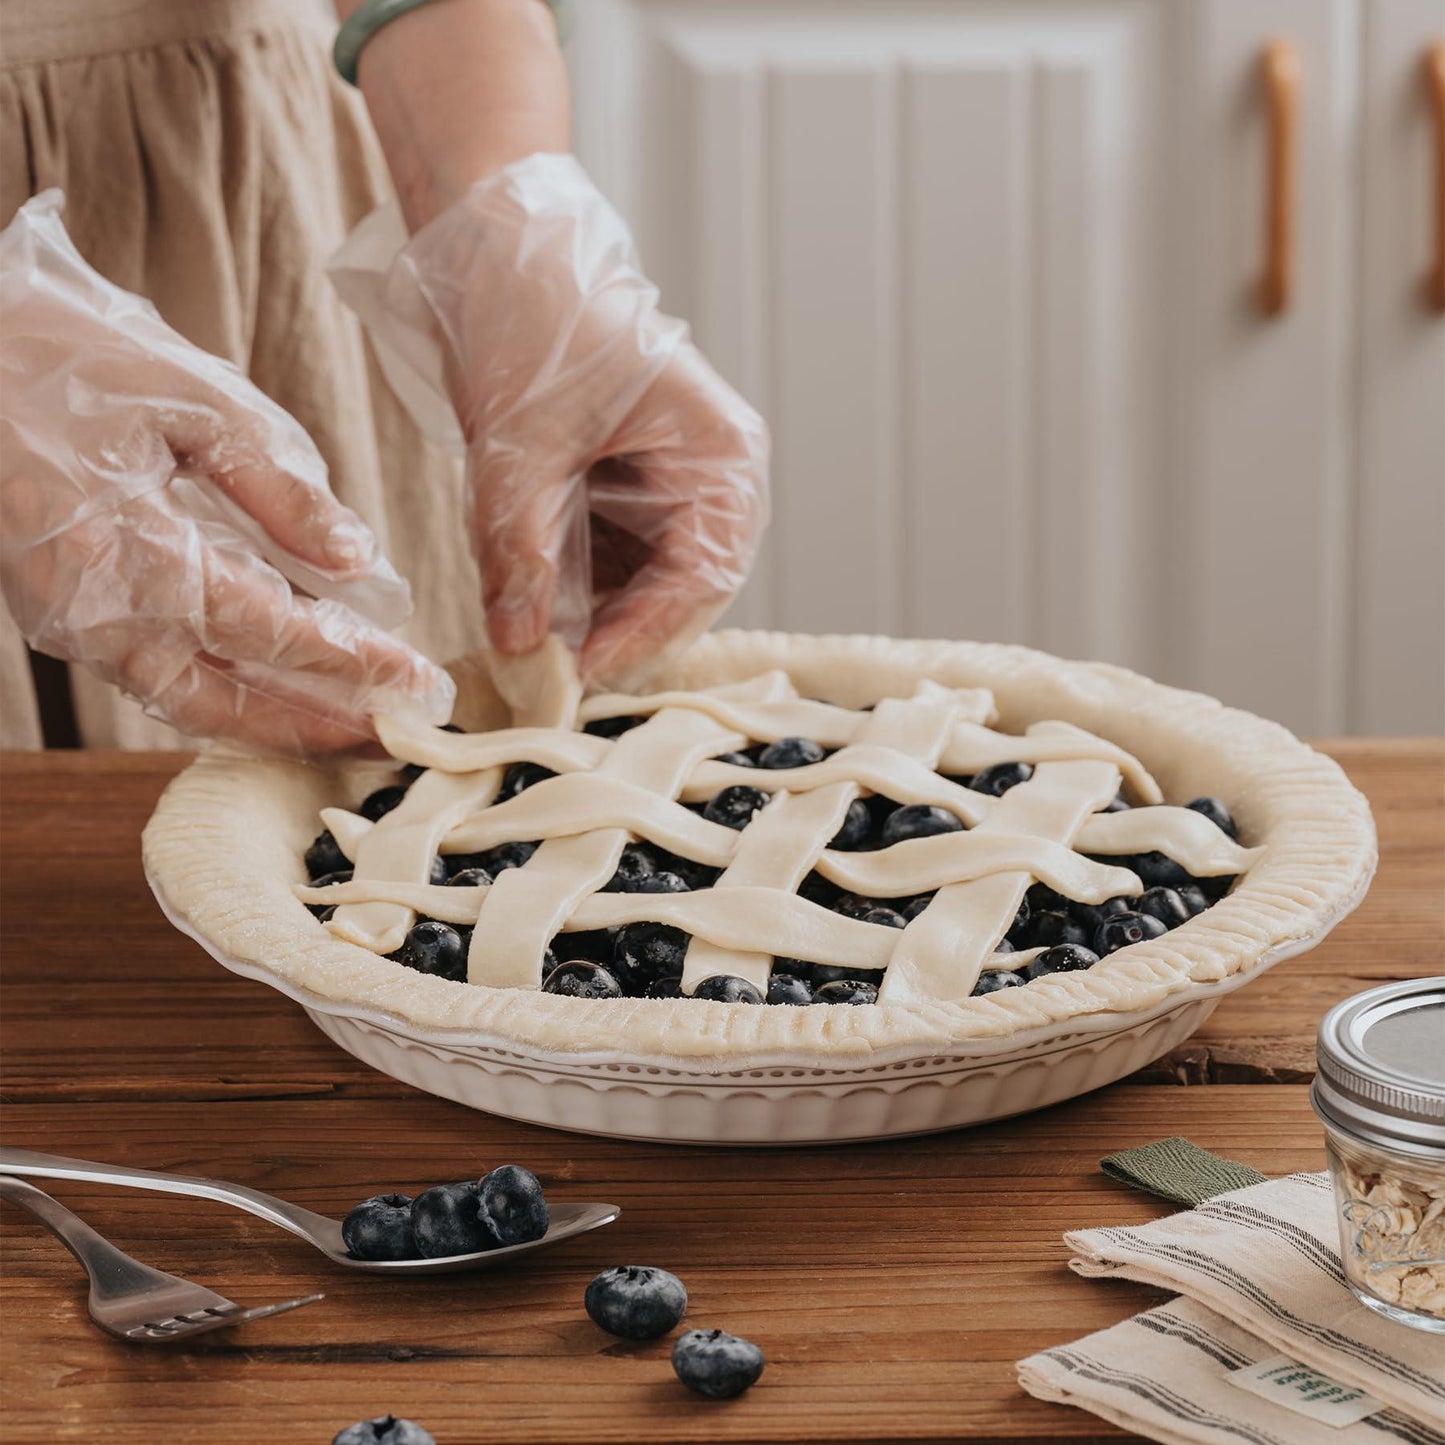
(922, 237)
(993, 273)
(1399, 514)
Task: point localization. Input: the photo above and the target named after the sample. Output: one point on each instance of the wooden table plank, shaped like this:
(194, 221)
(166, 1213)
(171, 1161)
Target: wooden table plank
(893, 1286)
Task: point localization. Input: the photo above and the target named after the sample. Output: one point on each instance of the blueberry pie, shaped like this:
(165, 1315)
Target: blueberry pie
(819, 843)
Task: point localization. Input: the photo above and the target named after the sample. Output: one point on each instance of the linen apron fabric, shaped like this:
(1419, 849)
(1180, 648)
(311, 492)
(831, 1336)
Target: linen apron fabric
(212, 161)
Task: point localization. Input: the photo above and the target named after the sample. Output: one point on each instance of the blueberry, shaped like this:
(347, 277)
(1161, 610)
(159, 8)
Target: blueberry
(660, 883)
(1116, 804)
(1092, 915)
(734, 807)
(716, 1364)
(724, 988)
(1066, 958)
(822, 974)
(816, 889)
(695, 875)
(381, 802)
(434, 948)
(1021, 918)
(325, 881)
(1214, 888)
(593, 944)
(323, 915)
(881, 809)
(1193, 897)
(325, 856)
(380, 1228)
(789, 988)
(669, 987)
(503, 856)
(1004, 946)
(1164, 904)
(633, 866)
(643, 952)
(993, 979)
(384, 1430)
(636, 1301)
(521, 776)
(1043, 899)
(447, 1220)
(612, 727)
(918, 820)
(791, 753)
(847, 990)
(579, 978)
(885, 917)
(441, 870)
(456, 728)
(1048, 928)
(512, 1206)
(857, 826)
(410, 772)
(1001, 777)
(915, 906)
(854, 905)
(1156, 871)
(1122, 929)
(1217, 814)
(738, 760)
(470, 878)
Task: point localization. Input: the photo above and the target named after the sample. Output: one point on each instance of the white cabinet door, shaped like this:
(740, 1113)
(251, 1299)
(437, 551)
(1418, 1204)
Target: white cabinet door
(1400, 509)
(923, 237)
(1264, 403)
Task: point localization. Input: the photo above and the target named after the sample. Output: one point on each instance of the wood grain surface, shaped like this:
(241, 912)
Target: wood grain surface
(893, 1286)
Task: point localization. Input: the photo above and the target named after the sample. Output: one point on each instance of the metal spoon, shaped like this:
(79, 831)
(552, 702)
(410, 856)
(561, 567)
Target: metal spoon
(318, 1229)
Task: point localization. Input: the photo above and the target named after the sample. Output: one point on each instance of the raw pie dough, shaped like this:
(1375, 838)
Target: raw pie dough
(1085, 727)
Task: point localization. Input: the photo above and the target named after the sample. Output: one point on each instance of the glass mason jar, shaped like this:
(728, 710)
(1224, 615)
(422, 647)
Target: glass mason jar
(1380, 1091)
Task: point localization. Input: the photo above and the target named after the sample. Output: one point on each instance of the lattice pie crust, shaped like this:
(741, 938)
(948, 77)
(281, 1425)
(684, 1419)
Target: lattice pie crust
(224, 846)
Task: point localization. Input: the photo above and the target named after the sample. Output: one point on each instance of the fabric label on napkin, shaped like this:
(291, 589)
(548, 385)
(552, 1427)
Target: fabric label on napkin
(1305, 1391)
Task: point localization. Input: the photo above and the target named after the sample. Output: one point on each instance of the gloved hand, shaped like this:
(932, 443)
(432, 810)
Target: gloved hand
(154, 504)
(617, 485)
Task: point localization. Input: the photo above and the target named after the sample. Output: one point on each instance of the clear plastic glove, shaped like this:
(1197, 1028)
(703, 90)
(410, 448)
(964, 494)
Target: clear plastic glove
(154, 504)
(617, 485)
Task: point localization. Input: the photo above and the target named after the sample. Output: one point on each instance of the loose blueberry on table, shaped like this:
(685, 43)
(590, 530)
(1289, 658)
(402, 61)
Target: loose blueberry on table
(645, 960)
(636, 1301)
(716, 1364)
(384, 1430)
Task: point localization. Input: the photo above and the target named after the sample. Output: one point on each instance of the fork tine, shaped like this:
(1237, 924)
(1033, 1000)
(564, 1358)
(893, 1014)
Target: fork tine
(262, 1311)
(214, 1317)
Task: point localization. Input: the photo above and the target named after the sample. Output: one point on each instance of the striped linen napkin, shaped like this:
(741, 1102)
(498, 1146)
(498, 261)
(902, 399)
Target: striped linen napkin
(1268, 1346)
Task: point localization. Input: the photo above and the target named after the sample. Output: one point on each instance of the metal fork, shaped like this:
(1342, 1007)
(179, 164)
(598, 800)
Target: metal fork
(129, 1299)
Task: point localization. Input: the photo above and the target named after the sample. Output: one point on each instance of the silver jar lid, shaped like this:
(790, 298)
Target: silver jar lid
(1381, 1074)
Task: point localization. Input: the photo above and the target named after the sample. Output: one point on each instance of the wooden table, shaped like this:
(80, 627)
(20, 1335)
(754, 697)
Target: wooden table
(893, 1286)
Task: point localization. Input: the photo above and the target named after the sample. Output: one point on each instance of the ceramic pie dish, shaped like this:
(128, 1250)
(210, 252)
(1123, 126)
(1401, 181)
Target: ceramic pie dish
(223, 854)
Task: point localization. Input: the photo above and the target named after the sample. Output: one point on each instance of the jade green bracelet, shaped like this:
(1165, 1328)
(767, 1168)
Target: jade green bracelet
(371, 15)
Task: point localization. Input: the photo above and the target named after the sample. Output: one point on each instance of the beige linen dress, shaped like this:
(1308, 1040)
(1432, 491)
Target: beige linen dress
(212, 161)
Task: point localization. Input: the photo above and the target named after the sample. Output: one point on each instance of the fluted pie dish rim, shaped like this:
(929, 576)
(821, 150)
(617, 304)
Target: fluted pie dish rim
(223, 853)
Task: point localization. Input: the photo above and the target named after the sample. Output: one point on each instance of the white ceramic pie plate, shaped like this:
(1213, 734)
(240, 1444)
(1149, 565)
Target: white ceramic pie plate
(776, 1101)
(223, 854)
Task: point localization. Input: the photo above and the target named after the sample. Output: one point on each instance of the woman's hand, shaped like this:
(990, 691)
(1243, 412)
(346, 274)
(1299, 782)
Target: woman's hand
(618, 486)
(154, 504)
